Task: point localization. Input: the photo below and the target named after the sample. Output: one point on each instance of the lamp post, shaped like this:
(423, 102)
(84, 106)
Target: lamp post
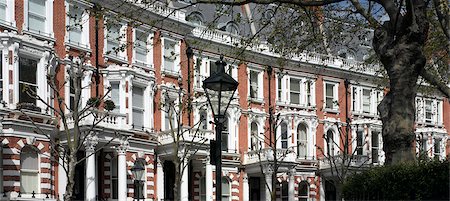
(138, 170)
(218, 85)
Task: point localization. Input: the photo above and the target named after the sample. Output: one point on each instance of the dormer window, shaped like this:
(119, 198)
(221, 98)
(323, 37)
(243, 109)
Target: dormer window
(232, 28)
(195, 18)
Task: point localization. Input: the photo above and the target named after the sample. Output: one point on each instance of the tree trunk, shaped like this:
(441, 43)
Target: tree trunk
(399, 45)
(70, 176)
(176, 187)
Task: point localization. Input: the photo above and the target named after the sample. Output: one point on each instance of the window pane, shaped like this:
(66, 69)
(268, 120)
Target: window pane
(366, 100)
(28, 182)
(141, 46)
(2, 10)
(75, 24)
(329, 90)
(37, 6)
(359, 142)
(295, 98)
(27, 72)
(212, 67)
(36, 23)
(138, 118)
(138, 97)
(203, 120)
(29, 159)
(295, 85)
(115, 96)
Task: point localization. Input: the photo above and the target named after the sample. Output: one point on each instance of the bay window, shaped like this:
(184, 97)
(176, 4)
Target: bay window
(437, 148)
(225, 134)
(115, 96)
(375, 145)
(359, 142)
(302, 141)
(138, 108)
(284, 135)
(27, 79)
(254, 137)
(29, 170)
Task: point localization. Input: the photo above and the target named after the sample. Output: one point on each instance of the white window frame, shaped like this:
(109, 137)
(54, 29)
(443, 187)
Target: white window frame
(142, 108)
(165, 126)
(255, 137)
(84, 40)
(377, 148)
(259, 84)
(436, 111)
(9, 14)
(280, 135)
(149, 47)
(299, 92)
(121, 55)
(335, 142)
(48, 24)
(280, 88)
(302, 142)
(229, 189)
(335, 106)
(439, 154)
(176, 62)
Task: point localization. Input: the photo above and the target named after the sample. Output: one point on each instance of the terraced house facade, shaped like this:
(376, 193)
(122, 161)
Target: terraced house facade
(144, 65)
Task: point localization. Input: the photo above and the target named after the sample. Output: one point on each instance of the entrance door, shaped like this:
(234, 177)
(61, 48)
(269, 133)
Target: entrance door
(330, 190)
(79, 179)
(169, 180)
(255, 190)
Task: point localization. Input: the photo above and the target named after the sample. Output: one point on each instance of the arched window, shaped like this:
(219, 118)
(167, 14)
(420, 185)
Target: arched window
(302, 142)
(284, 135)
(203, 120)
(284, 191)
(330, 143)
(203, 189)
(232, 28)
(254, 140)
(225, 133)
(29, 170)
(226, 189)
(114, 178)
(303, 190)
(195, 18)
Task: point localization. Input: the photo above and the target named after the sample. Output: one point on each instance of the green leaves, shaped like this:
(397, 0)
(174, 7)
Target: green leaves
(407, 181)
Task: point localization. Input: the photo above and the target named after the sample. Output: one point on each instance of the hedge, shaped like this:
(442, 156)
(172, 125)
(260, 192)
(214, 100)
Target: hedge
(408, 181)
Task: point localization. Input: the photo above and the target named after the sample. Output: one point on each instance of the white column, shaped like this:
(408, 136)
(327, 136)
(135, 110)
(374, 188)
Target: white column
(208, 179)
(62, 179)
(268, 175)
(291, 186)
(245, 192)
(122, 169)
(184, 190)
(160, 180)
(90, 185)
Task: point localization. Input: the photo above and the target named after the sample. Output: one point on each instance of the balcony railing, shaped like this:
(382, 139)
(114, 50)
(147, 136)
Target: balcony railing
(194, 136)
(102, 119)
(267, 154)
(338, 160)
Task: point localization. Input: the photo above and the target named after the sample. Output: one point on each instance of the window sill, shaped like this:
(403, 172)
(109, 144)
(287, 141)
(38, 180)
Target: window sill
(256, 100)
(170, 73)
(78, 46)
(8, 25)
(362, 114)
(334, 111)
(115, 58)
(43, 36)
(142, 65)
(298, 106)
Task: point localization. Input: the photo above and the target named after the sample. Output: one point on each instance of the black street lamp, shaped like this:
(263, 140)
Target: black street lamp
(217, 85)
(138, 170)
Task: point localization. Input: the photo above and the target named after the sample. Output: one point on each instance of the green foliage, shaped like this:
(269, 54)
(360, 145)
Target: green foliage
(109, 105)
(408, 181)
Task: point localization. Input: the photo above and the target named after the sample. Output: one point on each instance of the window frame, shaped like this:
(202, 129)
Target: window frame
(114, 161)
(134, 107)
(300, 196)
(22, 82)
(284, 141)
(228, 183)
(334, 103)
(37, 172)
(176, 56)
(255, 141)
(48, 16)
(148, 47)
(121, 40)
(375, 149)
(84, 29)
(302, 142)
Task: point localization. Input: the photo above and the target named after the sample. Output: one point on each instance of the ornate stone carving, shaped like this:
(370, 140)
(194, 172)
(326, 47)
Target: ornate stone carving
(90, 142)
(123, 146)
